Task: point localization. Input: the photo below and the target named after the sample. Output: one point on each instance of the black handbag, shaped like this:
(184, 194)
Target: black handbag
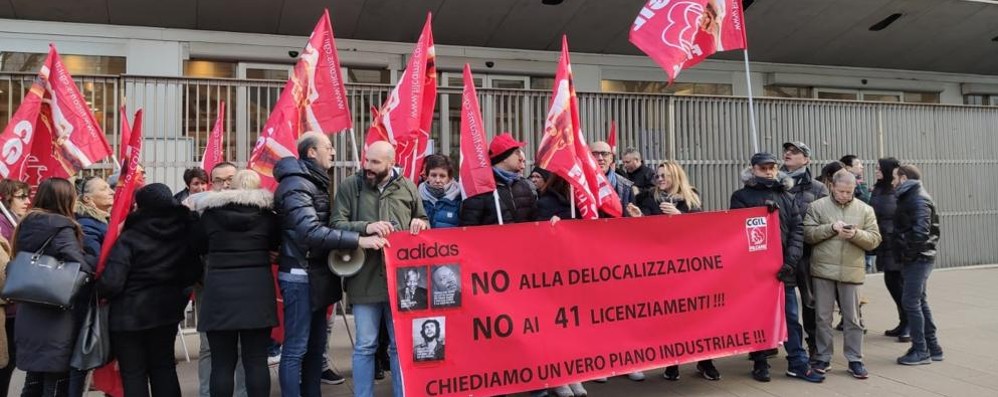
(93, 345)
(38, 278)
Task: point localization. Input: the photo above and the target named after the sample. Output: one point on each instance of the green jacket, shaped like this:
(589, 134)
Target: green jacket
(833, 258)
(399, 203)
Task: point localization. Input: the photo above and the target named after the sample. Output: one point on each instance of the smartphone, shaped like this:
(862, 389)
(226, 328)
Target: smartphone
(848, 227)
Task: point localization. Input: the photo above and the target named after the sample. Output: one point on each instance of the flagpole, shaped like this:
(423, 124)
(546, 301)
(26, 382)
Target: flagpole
(356, 156)
(8, 215)
(572, 193)
(495, 195)
(751, 105)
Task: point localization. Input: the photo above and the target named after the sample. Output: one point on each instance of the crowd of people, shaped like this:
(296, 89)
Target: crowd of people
(219, 238)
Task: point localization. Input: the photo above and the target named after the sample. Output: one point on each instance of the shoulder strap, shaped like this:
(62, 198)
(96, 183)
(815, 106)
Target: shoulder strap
(47, 241)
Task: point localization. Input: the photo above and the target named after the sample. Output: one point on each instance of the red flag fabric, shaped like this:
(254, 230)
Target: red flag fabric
(126, 132)
(314, 99)
(611, 138)
(108, 380)
(407, 115)
(124, 192)
(56, 134)
(214, 151)
(476, 169)
(563, 149)
(678, 34)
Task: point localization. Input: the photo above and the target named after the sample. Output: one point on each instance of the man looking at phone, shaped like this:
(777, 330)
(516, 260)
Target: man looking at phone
(840, 229)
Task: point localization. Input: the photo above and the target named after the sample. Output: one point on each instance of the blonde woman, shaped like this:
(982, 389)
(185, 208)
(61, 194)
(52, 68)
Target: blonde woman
(672, 194)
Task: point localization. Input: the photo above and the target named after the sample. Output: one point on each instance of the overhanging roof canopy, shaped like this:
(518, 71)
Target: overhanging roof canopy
(959, 36)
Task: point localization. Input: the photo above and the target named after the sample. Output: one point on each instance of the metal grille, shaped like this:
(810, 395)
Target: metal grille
(954, 145)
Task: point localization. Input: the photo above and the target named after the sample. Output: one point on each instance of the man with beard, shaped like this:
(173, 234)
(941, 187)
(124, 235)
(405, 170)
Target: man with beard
(806, 189)
(376, 203)
(307, 285)
(432, 348)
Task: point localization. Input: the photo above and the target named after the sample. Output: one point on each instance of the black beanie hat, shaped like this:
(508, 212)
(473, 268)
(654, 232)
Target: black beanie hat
(156, 195)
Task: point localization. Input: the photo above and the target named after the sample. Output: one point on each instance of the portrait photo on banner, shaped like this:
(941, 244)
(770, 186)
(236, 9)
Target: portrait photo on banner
(446, 285)
(411, 282)
(428, 338)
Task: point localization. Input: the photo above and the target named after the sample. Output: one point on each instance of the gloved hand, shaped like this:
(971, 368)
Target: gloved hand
(772, 206)
(786, 273)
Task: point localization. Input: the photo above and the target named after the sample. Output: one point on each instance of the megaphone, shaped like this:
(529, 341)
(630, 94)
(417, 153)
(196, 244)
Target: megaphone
(346, 263)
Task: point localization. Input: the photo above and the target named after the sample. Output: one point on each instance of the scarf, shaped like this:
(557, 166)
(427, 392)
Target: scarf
(450, 192)
(506, 177)
(317, 172)
(612, 177)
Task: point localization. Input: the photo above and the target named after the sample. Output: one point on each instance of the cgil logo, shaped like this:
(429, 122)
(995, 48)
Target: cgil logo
(422, 251)
(755, 222)
(13, 149)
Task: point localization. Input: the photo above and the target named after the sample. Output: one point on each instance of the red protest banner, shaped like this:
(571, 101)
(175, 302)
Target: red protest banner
(471, 319)
(678, 34)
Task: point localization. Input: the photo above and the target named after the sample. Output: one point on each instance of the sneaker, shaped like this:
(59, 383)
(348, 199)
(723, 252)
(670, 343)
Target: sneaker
(904, 339)
(273, 360)
(760, 371)
(936, 354)
(820, 367)
(707, 371)
(331, 378)
(805, 373)
(671, 372)
(913, 358)
(857, 370)
(600, 380)
(563, 391)
(578, 390)
(636, 376)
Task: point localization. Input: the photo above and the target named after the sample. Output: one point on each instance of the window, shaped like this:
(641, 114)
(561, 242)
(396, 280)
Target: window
(542, 83)
(779, 91)
(921, 97)
(661, 87)
(369, 76)
(75, 64)
(882, 96)
(204, 68)
(980, 99)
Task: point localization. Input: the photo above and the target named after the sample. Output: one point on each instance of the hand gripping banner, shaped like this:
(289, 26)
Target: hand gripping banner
(503, 309)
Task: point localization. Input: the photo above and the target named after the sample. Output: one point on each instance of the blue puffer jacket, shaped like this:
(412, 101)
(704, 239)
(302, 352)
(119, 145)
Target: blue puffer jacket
(444, 211)
(94, 225)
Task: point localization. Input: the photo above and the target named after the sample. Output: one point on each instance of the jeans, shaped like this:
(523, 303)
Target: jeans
(146, 361)
(305, 338)
(227, 345)
(368, 319)
(895, 285)
(796, 355)
(913, 298)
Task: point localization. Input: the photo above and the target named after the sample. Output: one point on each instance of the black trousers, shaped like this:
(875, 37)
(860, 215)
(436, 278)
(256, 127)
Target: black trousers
(895, 285)
(7, 371)
(46, 384)
(225, 355)
(146, 361)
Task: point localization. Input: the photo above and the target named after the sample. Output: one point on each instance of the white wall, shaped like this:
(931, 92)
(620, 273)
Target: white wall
(160, 52)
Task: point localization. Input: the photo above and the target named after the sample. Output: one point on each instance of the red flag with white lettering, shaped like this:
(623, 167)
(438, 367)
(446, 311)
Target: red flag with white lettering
(314, 99)
(476, 168)
(214, 151)
(407, 115)
(53, 133)
(678, 34)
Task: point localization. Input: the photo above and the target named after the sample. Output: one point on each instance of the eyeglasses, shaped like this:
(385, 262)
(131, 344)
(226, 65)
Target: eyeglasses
(602, 154)
(219, 181)
(793, 150)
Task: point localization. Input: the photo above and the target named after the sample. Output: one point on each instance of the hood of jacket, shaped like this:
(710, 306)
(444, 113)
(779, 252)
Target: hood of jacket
(89, 211)
(258, 198)
(753, 181)
(907, 186)
(162, 223)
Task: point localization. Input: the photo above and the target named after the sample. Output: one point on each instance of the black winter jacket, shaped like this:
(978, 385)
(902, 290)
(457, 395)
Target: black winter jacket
(650, 206)
(302, 203)
(517, 200)
(916, 223)
(44, 335)
(756, 193)
(884, 204)
(551, 204)
(151, 266)
(237, 230)
(643, 177)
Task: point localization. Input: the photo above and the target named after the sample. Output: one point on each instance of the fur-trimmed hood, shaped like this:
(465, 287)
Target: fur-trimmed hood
(751, 180)
(259, 198)
(83, 210)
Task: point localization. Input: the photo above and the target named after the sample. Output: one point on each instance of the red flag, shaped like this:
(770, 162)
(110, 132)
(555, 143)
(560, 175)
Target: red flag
(53, 133)
(124, 192)
(678, 34)
(126, 132)
(406, 117)
(611, 138)
(108, 378)
(476, 169)
(214, 152)
(314, 99)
